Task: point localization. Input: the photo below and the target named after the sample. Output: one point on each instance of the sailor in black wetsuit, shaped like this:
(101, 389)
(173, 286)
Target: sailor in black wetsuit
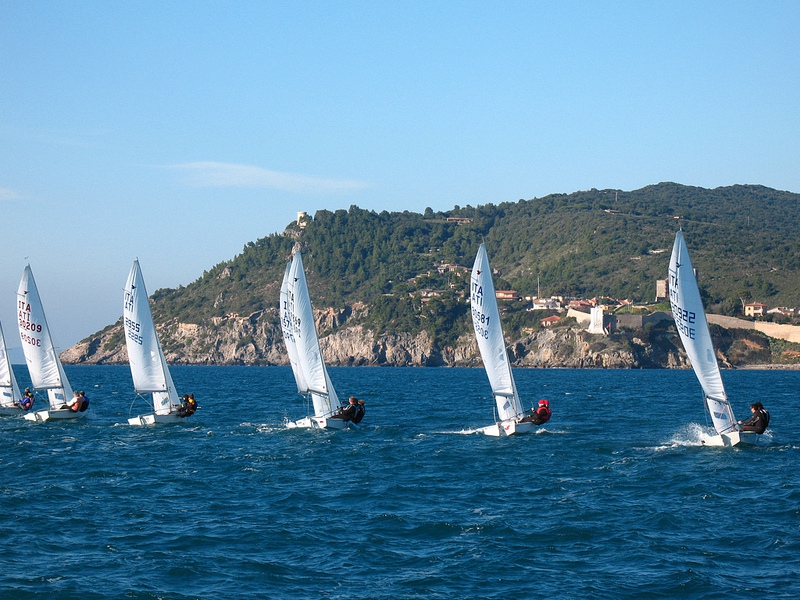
(346, 413)
(360, 410)
(758, 422)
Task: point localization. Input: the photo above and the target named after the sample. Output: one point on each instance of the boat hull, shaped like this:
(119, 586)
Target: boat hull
(506, 428)
(41, 416)
(153, 419)
(318, 423)
(732, 439)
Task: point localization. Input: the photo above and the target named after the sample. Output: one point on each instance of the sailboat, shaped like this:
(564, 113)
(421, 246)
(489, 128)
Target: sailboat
(45, 368)
(511, 417)
(148, 366)
(305, 356)
(9, 390)
(692, 326)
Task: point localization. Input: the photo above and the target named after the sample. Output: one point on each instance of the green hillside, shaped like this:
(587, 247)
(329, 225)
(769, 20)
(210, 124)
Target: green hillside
(744, 241)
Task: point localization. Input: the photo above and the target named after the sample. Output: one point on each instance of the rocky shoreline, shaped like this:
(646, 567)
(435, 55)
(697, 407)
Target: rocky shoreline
(256, 339)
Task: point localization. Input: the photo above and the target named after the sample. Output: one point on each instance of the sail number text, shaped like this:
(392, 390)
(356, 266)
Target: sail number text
(132, 330)
(481, 323)
(684, 321)
(289, 322)
(480, 320)
(25, 324)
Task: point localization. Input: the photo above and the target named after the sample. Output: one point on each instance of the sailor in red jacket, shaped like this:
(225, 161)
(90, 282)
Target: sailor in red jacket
(541, 415)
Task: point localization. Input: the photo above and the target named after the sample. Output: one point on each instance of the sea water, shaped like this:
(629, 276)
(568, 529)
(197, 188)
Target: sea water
(615, 497)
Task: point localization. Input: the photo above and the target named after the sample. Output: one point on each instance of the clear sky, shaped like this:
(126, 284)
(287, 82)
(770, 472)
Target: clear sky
(176, 132)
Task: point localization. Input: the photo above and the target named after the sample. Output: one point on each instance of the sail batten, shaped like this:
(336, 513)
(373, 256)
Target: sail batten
(692, 325)
(44, 366)
(491, 342)
(145, 355)
(302, 342)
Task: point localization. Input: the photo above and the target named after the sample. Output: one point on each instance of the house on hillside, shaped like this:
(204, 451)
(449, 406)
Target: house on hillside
(754, 309)
(550, 321)
(545, 304)
(448, 268)
(782, 310)
(662, 289)
(506, 294)
(581, 305)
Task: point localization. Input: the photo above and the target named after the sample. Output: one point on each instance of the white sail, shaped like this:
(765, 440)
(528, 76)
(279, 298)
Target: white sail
(489, 333)
(44, 366)
(148, 366)
(9, 390)
(692, 326)
(289, 326)
(297, 320)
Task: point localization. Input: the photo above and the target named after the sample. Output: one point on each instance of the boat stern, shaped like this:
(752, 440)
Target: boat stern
(722, 440)
(39, 416)
(492, 430)
(152, 419)
(142, 420)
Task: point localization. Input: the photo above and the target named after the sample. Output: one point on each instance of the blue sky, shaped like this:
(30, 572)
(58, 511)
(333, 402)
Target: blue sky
(176, 132)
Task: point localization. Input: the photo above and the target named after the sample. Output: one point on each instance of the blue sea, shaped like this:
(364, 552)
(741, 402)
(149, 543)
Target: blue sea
(613, 498)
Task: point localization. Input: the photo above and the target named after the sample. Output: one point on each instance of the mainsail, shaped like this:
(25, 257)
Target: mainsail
(44, 366)
(9, 390)
(146, 358)
(692, 326)
(302, 343)
(289, 328)
(489, 333)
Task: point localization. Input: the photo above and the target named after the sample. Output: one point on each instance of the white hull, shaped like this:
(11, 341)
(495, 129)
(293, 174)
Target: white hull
(508, 428)
(318, 423)
(732, 439)
(45, 415)
(152, 419)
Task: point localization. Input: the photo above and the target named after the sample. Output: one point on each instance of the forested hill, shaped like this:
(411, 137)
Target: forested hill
(390, 288)
(744, 241)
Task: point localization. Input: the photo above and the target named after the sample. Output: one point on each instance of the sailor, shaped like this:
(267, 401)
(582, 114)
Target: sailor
(188, 406)
(542, 413)
(84, 401)
(758, 422)
(76, 404)
(26, 402)
(360, 410)
(346, 413)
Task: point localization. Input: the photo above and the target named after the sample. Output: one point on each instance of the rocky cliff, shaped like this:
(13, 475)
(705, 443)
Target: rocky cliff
(256, 340)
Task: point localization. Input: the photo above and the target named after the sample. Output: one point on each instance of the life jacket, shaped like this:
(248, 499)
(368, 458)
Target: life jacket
(544, 413)
(84, 404)
(26, 403)
(360, 410)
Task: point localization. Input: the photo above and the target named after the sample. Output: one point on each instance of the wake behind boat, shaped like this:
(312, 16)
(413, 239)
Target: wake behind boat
(512, 418)
(44, 366)
(305, 355)
(148, 366)
(692, 326)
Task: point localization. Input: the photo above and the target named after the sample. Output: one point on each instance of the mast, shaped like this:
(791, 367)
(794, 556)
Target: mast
(315, 378)
(491, 342)
(44, 366)
(146, 357)
(692, 326)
